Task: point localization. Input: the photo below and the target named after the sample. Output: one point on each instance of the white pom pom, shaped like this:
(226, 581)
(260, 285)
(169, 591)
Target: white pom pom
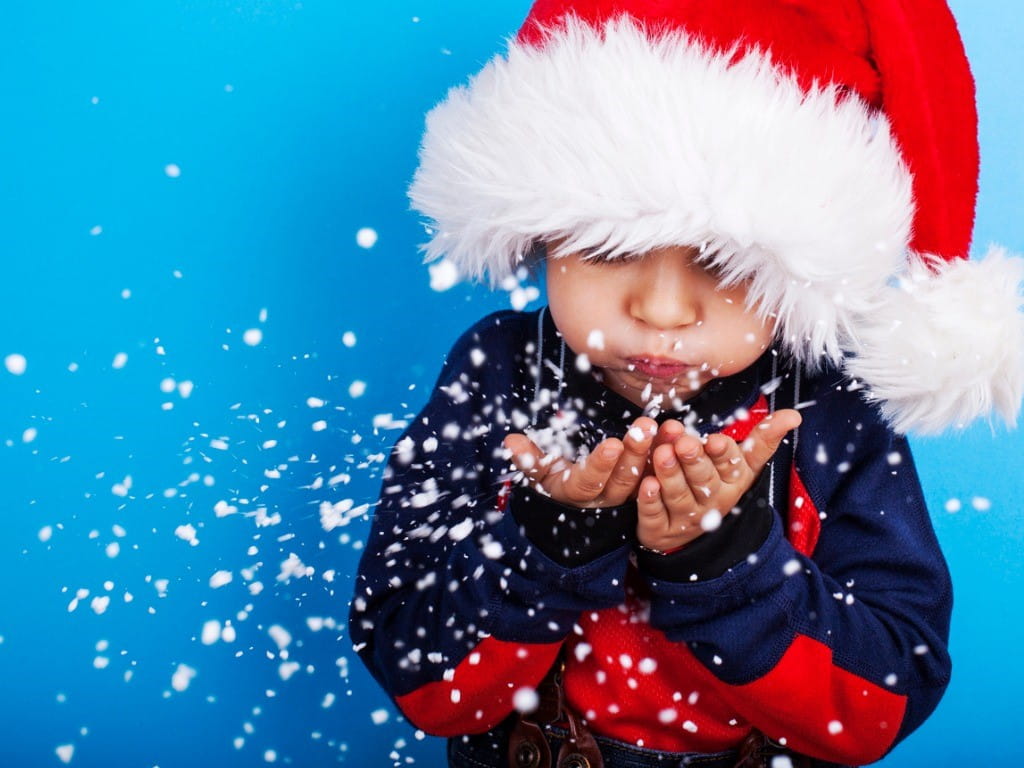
(946, 347)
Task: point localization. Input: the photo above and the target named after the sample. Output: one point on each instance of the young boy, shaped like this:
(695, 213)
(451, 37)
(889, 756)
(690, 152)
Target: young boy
(670, 519)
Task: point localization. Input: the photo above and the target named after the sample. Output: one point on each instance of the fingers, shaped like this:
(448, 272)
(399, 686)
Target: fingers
(652, 516)
(767, 437)
(727, 459)
(669, 432)
(630, 467)
(676, 494)
(698, 469)
(585, 481)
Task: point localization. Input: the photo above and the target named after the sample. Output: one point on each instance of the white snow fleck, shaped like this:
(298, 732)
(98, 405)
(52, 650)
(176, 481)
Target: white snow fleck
(45, 533)
(122, 488)
(211, 632)
(953, 505)
(595, 339)
(185, 389)
(821, 455)
(293, 567)
(894, 458)
(357, 388)
(443, 275)
(781, 761)
(477, 357)
(270, 756)
(711, 521)
(182, 677)
(379, 716)
(981, 504)
(493, 550)
(647, 665)
(456, 696)
(520, 297)
(314, 402)
(366, 237)
(690, 726)
(281, 636)
(187, 532)
(15, 364)
(29, 435)
(287, 669)
(220, 578)
(328, 700)
(223, 509)
(461, 530)
(113, 549)
(582, 362)
(119, 360)
(99, 604)
(835, 727)
(65, 752)
(348, 339)
(252, 336)
(667, 715)
(172, 170)
(890, 679)
(582, 650)
(792, 567)
(96, 230)
(525, 700)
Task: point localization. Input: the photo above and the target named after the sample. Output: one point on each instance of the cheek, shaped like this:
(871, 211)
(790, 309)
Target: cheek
(740, 335)
(584, 317)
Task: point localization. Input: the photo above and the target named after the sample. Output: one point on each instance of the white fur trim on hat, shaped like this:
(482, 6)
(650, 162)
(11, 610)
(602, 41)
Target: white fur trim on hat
(615, 141)
(947, 347)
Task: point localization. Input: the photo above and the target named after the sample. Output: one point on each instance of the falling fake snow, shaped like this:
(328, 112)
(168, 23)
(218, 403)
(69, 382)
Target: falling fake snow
(15, 364)
(366, 237)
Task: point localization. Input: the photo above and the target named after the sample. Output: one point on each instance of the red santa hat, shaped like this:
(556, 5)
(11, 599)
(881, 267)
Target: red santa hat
(823, 150)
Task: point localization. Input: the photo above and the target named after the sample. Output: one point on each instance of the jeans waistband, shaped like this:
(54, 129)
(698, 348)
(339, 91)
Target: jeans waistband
(490, 750)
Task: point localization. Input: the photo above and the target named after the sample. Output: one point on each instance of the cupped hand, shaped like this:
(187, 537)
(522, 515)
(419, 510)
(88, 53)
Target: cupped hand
(607, 477)
(694, 485)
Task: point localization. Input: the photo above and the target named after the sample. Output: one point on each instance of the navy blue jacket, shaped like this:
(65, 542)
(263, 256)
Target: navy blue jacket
(818, 613)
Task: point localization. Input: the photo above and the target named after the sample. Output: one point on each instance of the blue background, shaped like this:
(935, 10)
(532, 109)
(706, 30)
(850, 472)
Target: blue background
(295, 125)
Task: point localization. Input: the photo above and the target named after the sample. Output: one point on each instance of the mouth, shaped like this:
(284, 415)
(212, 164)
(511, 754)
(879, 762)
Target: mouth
(659, 367)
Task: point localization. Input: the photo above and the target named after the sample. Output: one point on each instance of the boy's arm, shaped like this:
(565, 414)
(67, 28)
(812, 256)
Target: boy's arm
(454, 609)
(842, 654)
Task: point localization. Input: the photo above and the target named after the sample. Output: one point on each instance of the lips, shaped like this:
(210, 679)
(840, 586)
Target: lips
(659, 367)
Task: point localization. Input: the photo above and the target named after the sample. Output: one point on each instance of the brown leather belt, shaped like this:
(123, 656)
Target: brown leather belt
(552, 722)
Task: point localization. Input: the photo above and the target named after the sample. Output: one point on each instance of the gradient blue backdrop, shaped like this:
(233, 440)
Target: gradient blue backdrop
(294, 125)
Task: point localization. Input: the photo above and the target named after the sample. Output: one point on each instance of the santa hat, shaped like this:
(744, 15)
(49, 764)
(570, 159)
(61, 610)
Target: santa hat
(824, 150)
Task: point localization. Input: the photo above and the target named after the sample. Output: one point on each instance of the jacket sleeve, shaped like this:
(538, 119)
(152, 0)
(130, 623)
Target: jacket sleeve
(841, 654)
(454, 609)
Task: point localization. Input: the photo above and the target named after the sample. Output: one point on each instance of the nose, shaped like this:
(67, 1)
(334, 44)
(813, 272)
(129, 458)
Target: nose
(665, 292)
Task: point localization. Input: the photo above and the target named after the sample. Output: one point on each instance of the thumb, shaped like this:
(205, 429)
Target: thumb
(767, 436)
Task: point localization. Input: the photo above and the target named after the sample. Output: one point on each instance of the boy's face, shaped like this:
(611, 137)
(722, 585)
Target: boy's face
(654, 324)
